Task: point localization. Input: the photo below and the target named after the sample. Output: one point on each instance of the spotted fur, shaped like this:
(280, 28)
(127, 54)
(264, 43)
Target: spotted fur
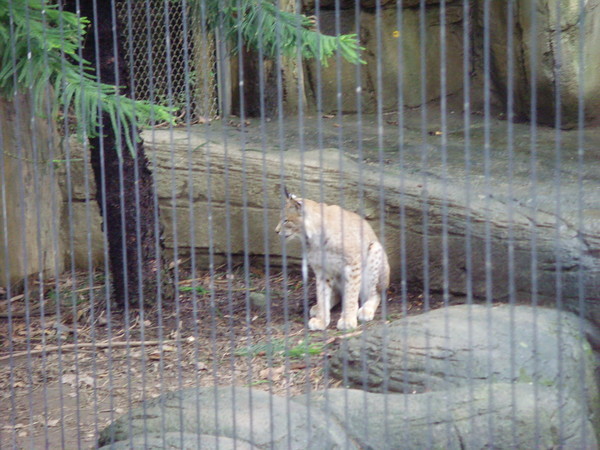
(348, 260)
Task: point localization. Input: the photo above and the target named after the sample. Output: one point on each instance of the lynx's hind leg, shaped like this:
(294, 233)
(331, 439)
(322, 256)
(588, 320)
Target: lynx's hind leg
(350, 297)
(367, 311)
(372, 276)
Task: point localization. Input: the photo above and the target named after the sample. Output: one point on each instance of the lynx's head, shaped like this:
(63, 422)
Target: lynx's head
(291, 223)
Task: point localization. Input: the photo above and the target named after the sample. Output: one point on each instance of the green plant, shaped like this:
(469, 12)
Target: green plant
(199, 289)
(278, 348)
(305, 348)
(39, 46)
(259, 23)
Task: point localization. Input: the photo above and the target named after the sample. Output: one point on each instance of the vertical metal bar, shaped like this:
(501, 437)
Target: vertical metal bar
(174, 219)
(581, 202)
(102, 189)
(468, 264)
(425, 207)
(534, 61)
(281, 176)
(556, 40)
(132, 85)
(444, 212)
(402, 213)
(70, 227)
(512, 295)
(489, 295)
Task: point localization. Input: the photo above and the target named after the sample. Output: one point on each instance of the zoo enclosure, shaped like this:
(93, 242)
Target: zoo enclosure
(472, 206)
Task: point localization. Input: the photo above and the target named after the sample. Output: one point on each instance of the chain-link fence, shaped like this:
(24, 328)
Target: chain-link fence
(393, 243)
(171, 62)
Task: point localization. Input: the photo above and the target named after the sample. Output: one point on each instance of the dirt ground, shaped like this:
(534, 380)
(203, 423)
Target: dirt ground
(70, 364)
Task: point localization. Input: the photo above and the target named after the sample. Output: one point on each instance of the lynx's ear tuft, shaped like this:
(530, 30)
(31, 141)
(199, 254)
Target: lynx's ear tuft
(288, 194)
(291, 197)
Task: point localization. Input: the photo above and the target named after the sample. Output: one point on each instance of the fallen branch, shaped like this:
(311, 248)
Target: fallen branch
(333, 339)
(83, 345)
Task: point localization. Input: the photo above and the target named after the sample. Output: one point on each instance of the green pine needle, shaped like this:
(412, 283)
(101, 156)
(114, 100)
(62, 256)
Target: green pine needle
(39, 47)
(262, 25)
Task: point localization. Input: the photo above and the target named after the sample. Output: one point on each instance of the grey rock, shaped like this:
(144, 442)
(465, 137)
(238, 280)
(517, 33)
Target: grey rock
(470, 345)
(381, 39)
(498, 415)
(250, 416)
(467, 376)
(179, 440)
(258, 300)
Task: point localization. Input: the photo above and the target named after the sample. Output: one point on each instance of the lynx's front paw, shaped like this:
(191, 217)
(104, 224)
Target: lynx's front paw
(315, 324)
(347, 324)
(366, 313)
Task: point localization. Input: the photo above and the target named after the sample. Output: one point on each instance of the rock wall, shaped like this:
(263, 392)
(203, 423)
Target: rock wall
(546, 44)
(393, 54)
(84, 236)
(31, 201)
(548, 39)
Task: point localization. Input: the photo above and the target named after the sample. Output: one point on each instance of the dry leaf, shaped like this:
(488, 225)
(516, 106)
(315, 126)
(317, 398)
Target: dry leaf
(297, 366)
(272, 373)
(68, 378)
(87, 380)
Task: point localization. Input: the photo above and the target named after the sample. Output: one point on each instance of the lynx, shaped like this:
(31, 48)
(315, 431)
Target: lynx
(343, 251)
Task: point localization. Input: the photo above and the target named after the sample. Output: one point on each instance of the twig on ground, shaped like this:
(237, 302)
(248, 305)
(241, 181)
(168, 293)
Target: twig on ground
(83, 345)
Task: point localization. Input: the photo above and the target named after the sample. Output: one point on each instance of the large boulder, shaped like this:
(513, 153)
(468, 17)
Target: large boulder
(243, 416)
(493, 228)
(471, 345)
(500, 415)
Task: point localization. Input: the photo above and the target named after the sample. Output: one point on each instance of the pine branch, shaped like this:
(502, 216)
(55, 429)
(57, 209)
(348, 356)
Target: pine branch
(262, 24)
(39, 47)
